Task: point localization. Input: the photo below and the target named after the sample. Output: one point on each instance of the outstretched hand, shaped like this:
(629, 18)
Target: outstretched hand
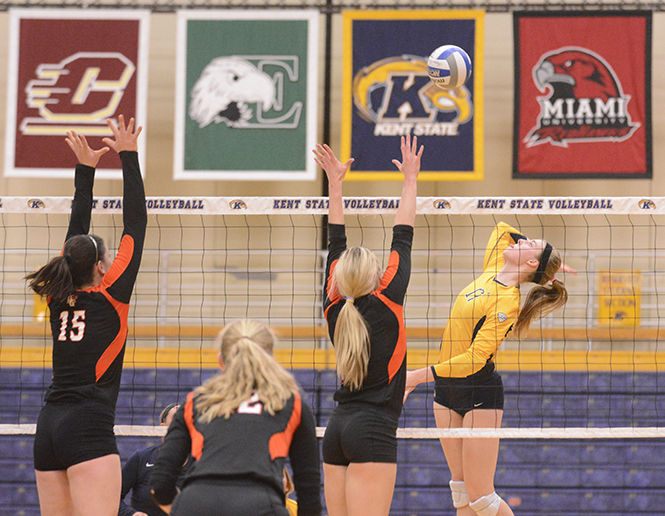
(84, 154)
(410, 164)
(333, 167)
(125, 136)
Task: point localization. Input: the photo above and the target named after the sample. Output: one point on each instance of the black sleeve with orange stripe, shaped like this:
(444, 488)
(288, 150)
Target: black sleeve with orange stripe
(304, 458)
(336, 246)
(135, 219)
(402, 241)
(172, 455)
(79, 221)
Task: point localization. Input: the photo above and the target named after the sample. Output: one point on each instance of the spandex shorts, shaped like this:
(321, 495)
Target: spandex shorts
(71, 433)
(359, 432)
(225, 498)
(480, 391)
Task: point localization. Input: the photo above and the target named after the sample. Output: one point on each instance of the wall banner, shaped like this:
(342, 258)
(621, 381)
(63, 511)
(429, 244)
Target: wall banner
(582, 95)
(246, 95)
(386, 94)
(71, 69)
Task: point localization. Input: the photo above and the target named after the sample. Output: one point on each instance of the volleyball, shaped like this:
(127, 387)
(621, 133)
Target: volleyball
(449, 67)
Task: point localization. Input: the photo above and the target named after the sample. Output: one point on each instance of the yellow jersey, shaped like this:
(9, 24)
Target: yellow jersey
(291, 506)
(483, 313)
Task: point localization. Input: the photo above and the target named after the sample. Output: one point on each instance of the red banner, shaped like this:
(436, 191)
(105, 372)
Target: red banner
(70, 70)
(582, 95)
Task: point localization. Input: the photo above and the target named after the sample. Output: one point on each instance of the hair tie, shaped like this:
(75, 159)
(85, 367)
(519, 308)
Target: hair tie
(349, 298)
(94, 242)
(542, 264)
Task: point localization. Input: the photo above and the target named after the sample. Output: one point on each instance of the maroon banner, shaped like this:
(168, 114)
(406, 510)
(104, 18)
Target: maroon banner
(582, 95)
(70, 70)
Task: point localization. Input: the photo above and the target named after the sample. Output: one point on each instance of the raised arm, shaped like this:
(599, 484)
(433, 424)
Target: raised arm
(84, 178)
(502, 236)
(335, 171)
(410, 167)
(121, 277)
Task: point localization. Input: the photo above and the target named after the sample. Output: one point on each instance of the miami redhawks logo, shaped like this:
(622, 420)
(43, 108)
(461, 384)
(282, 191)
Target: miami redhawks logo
(586, 103)
(77, 93)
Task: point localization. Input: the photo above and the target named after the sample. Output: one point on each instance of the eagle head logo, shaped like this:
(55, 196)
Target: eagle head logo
(225, 89)
(585, 102)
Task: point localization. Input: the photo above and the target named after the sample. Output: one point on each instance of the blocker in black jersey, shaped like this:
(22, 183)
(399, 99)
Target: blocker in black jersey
(241, 456)
(384, 314)
(89, 333)
(362, 427)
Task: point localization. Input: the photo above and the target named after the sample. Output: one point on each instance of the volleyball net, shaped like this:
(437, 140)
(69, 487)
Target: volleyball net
(589, 370)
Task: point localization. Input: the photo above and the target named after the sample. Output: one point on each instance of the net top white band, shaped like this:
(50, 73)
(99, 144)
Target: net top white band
(353, 205)
(428, 433)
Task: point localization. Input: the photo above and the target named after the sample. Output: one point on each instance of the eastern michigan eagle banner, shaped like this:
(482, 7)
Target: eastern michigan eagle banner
(582, 95)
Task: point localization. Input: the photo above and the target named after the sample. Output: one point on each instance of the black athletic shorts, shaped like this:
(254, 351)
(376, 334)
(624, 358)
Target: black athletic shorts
(228, 498)
(360, 432)
(481, 390)
(71, 433)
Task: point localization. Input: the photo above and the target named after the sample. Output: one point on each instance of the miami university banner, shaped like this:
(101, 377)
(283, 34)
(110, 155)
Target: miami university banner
(71, 69)
(246, 95)
(386, 93)
(582, 95)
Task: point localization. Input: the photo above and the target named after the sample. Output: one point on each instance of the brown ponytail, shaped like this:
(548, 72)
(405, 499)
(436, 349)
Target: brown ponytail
(64, 274)
(543, 299)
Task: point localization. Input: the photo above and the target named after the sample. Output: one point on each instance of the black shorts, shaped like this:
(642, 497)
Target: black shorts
(482, 390)
(225, 498)
(71, 433)
(359, 432)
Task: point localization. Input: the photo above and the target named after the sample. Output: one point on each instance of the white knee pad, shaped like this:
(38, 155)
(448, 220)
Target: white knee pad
(458, 490)
(487, 505)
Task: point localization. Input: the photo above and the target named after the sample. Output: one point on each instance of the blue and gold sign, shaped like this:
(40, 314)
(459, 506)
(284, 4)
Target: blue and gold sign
(387, 94)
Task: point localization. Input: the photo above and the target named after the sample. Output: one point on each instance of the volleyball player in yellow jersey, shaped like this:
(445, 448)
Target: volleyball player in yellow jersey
(468, 390)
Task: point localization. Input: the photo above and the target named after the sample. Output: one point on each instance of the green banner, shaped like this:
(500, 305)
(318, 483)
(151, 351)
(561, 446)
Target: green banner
(245, 106)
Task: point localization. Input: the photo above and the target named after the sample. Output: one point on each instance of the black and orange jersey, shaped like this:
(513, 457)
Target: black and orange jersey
(383, 312)
(483, 313)
(90, 328)
(248, 445)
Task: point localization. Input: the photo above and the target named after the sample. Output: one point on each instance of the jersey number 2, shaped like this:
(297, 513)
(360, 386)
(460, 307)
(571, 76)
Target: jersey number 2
(78, 325)
(251, 406)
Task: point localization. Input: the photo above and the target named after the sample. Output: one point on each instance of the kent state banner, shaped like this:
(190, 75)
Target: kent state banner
(386, 94)
(582, 95)
(71, 70)
(246, 96)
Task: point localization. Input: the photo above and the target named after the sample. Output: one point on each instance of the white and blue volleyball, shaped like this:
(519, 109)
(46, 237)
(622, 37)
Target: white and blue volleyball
(449, 67)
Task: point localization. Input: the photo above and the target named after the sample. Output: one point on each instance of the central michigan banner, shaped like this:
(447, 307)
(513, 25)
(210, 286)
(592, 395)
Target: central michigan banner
(71, 69)
(387, 93)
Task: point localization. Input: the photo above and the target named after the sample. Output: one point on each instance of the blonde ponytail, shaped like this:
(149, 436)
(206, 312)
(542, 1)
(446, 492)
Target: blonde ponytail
(357, 274)
(246, 348)
(543, 299)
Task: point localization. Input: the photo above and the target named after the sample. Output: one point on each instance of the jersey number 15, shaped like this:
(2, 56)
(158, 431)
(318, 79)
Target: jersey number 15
(78, 325)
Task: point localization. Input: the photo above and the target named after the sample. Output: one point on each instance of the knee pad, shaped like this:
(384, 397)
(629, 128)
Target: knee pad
(487, 505)
(458, 490)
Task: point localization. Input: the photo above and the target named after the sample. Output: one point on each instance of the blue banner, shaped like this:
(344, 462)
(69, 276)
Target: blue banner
(387, 94)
